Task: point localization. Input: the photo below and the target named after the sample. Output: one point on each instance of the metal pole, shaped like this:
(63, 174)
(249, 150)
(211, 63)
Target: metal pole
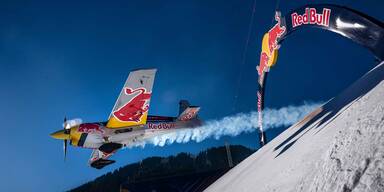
(260, 108)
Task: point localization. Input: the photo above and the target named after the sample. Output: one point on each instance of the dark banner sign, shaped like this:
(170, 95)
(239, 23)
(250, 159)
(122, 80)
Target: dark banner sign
(347, 22)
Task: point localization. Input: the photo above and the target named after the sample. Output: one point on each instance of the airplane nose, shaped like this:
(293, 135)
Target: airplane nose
(60, 135)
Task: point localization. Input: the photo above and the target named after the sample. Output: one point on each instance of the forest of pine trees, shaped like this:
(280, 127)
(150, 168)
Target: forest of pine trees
(154, 167)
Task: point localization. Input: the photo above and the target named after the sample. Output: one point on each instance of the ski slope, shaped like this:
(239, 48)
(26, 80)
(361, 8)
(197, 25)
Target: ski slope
(337, 147)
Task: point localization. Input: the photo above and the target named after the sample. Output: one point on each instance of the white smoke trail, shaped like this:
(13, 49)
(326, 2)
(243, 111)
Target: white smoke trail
(237, 124)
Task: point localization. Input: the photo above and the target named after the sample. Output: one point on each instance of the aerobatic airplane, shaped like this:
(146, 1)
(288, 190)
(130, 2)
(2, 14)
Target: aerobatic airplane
(128, 123)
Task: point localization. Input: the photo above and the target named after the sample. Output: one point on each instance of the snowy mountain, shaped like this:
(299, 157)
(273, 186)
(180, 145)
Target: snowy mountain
(337, 147)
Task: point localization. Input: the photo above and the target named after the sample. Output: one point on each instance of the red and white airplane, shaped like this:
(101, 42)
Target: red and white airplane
(128, 124)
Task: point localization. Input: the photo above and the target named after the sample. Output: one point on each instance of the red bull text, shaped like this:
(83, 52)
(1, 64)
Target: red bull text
(161, 125)
(311, 17)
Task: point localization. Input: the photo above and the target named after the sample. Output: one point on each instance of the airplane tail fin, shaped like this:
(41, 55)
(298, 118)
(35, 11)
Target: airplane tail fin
(189, 113)
(183, 105)
(131, 108)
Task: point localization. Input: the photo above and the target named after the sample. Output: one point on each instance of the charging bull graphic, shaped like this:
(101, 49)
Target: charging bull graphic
(270, 45)
(134, 109)
(263, 63)
(90, 128)
(276, 32)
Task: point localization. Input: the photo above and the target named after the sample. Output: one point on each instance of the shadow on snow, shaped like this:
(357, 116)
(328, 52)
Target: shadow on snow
(331, 110)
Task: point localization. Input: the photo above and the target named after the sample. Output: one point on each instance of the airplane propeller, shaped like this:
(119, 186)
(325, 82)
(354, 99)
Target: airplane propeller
(65, 149)
(67, 130)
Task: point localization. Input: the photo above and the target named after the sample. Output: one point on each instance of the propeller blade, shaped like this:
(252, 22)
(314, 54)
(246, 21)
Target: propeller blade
(65, 125)
(65, 149)
(65, 122)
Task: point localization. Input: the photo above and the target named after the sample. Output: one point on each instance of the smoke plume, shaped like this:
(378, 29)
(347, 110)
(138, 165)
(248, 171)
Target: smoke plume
(237, 124)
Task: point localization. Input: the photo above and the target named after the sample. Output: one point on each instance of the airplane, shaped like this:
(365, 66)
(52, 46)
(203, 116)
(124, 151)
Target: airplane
(128, 124)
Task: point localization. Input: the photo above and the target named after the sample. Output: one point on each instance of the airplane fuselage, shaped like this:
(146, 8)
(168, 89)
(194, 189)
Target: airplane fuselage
(93, 135)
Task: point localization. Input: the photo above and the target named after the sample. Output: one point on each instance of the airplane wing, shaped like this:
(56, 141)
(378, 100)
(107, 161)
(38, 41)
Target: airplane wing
(100, 159)
(131, 108)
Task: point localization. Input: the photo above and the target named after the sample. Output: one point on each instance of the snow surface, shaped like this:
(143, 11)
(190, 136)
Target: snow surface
(337, 147)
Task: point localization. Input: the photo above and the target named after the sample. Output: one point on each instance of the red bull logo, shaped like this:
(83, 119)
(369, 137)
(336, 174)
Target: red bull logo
(311, 17)
(270, 45)
(188, 116)
(274, 33)
(263, 63)
(135, 108)
(90, 128)
(161, 125)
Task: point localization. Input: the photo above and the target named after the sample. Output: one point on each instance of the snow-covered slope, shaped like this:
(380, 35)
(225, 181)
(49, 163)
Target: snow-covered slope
(338, 147)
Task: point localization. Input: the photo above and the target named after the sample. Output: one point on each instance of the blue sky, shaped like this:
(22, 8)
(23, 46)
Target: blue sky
(70, 58)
